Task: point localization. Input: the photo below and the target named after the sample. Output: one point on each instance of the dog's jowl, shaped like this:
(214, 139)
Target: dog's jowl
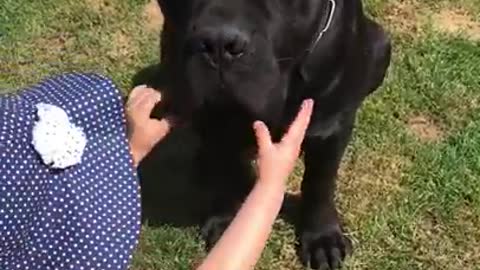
(233, 62)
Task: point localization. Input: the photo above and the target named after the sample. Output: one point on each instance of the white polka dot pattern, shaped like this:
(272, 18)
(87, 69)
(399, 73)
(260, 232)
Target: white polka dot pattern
(84, 217)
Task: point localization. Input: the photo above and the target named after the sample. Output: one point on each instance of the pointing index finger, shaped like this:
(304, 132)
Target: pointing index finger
(297, 130)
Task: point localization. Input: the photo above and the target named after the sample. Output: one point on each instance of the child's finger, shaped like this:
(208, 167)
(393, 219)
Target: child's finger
(160, 127)
(135, 93)
(297, 130)
(262, 134)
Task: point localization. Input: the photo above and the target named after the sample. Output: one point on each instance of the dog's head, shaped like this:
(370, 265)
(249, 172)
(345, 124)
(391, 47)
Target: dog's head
(240, 52)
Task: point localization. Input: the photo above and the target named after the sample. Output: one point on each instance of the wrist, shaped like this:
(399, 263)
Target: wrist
(136, 155)
(272, 184)
(275, 178)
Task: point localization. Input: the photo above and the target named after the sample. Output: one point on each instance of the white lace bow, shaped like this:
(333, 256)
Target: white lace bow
(59, 142)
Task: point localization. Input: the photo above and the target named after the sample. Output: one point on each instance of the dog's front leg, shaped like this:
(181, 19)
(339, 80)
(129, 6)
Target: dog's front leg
(322, 244)
(228, 177)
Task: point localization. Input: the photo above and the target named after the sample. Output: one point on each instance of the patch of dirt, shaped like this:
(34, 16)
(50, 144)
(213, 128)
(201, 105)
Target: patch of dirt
(121, 45)
(153, 16)
(448, 246)
(54, 43)
(411, 16)
(50, 51)
(368, 181)
(404, 16)
(424, 129)
(455, 22)
(430, 244)
(100, 6)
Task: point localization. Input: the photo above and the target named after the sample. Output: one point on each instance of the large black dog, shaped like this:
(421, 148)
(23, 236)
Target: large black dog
(236, 61)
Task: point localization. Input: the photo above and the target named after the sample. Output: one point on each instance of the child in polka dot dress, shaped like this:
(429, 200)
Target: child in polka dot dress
(69, 193)
(58, 212)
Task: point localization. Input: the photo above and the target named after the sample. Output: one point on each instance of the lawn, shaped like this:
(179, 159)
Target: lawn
(409, 187)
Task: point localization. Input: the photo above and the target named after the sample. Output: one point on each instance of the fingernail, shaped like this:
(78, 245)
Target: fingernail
(140, 87)
(308, 103)
(257, 124)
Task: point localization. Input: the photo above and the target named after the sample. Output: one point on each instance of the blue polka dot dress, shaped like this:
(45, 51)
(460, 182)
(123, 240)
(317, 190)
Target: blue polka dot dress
(85, 216)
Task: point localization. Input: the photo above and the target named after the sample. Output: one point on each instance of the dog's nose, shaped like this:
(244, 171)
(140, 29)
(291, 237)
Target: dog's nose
(220, 43)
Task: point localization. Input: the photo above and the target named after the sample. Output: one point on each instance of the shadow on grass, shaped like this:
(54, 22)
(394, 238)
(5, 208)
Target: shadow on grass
(171, 194)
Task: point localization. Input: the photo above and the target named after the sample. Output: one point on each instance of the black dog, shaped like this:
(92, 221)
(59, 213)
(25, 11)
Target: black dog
(233, 62)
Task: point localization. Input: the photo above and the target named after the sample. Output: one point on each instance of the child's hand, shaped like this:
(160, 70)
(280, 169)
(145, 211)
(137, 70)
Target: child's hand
(144, 132)
(277, 161)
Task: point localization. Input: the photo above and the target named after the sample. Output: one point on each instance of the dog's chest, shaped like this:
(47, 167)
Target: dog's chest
(328, 116)
(325, 127)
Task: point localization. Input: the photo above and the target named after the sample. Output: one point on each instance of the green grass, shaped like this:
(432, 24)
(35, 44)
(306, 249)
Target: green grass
(410, 200)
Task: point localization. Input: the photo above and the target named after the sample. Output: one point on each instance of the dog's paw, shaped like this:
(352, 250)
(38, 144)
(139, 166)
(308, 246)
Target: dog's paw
(324, 248)
(214, 228)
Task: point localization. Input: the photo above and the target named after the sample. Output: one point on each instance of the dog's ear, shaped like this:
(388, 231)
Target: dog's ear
(380, 50)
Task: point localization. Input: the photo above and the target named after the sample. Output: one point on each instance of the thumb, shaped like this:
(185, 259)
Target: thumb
(262, 134)
(160, 127)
